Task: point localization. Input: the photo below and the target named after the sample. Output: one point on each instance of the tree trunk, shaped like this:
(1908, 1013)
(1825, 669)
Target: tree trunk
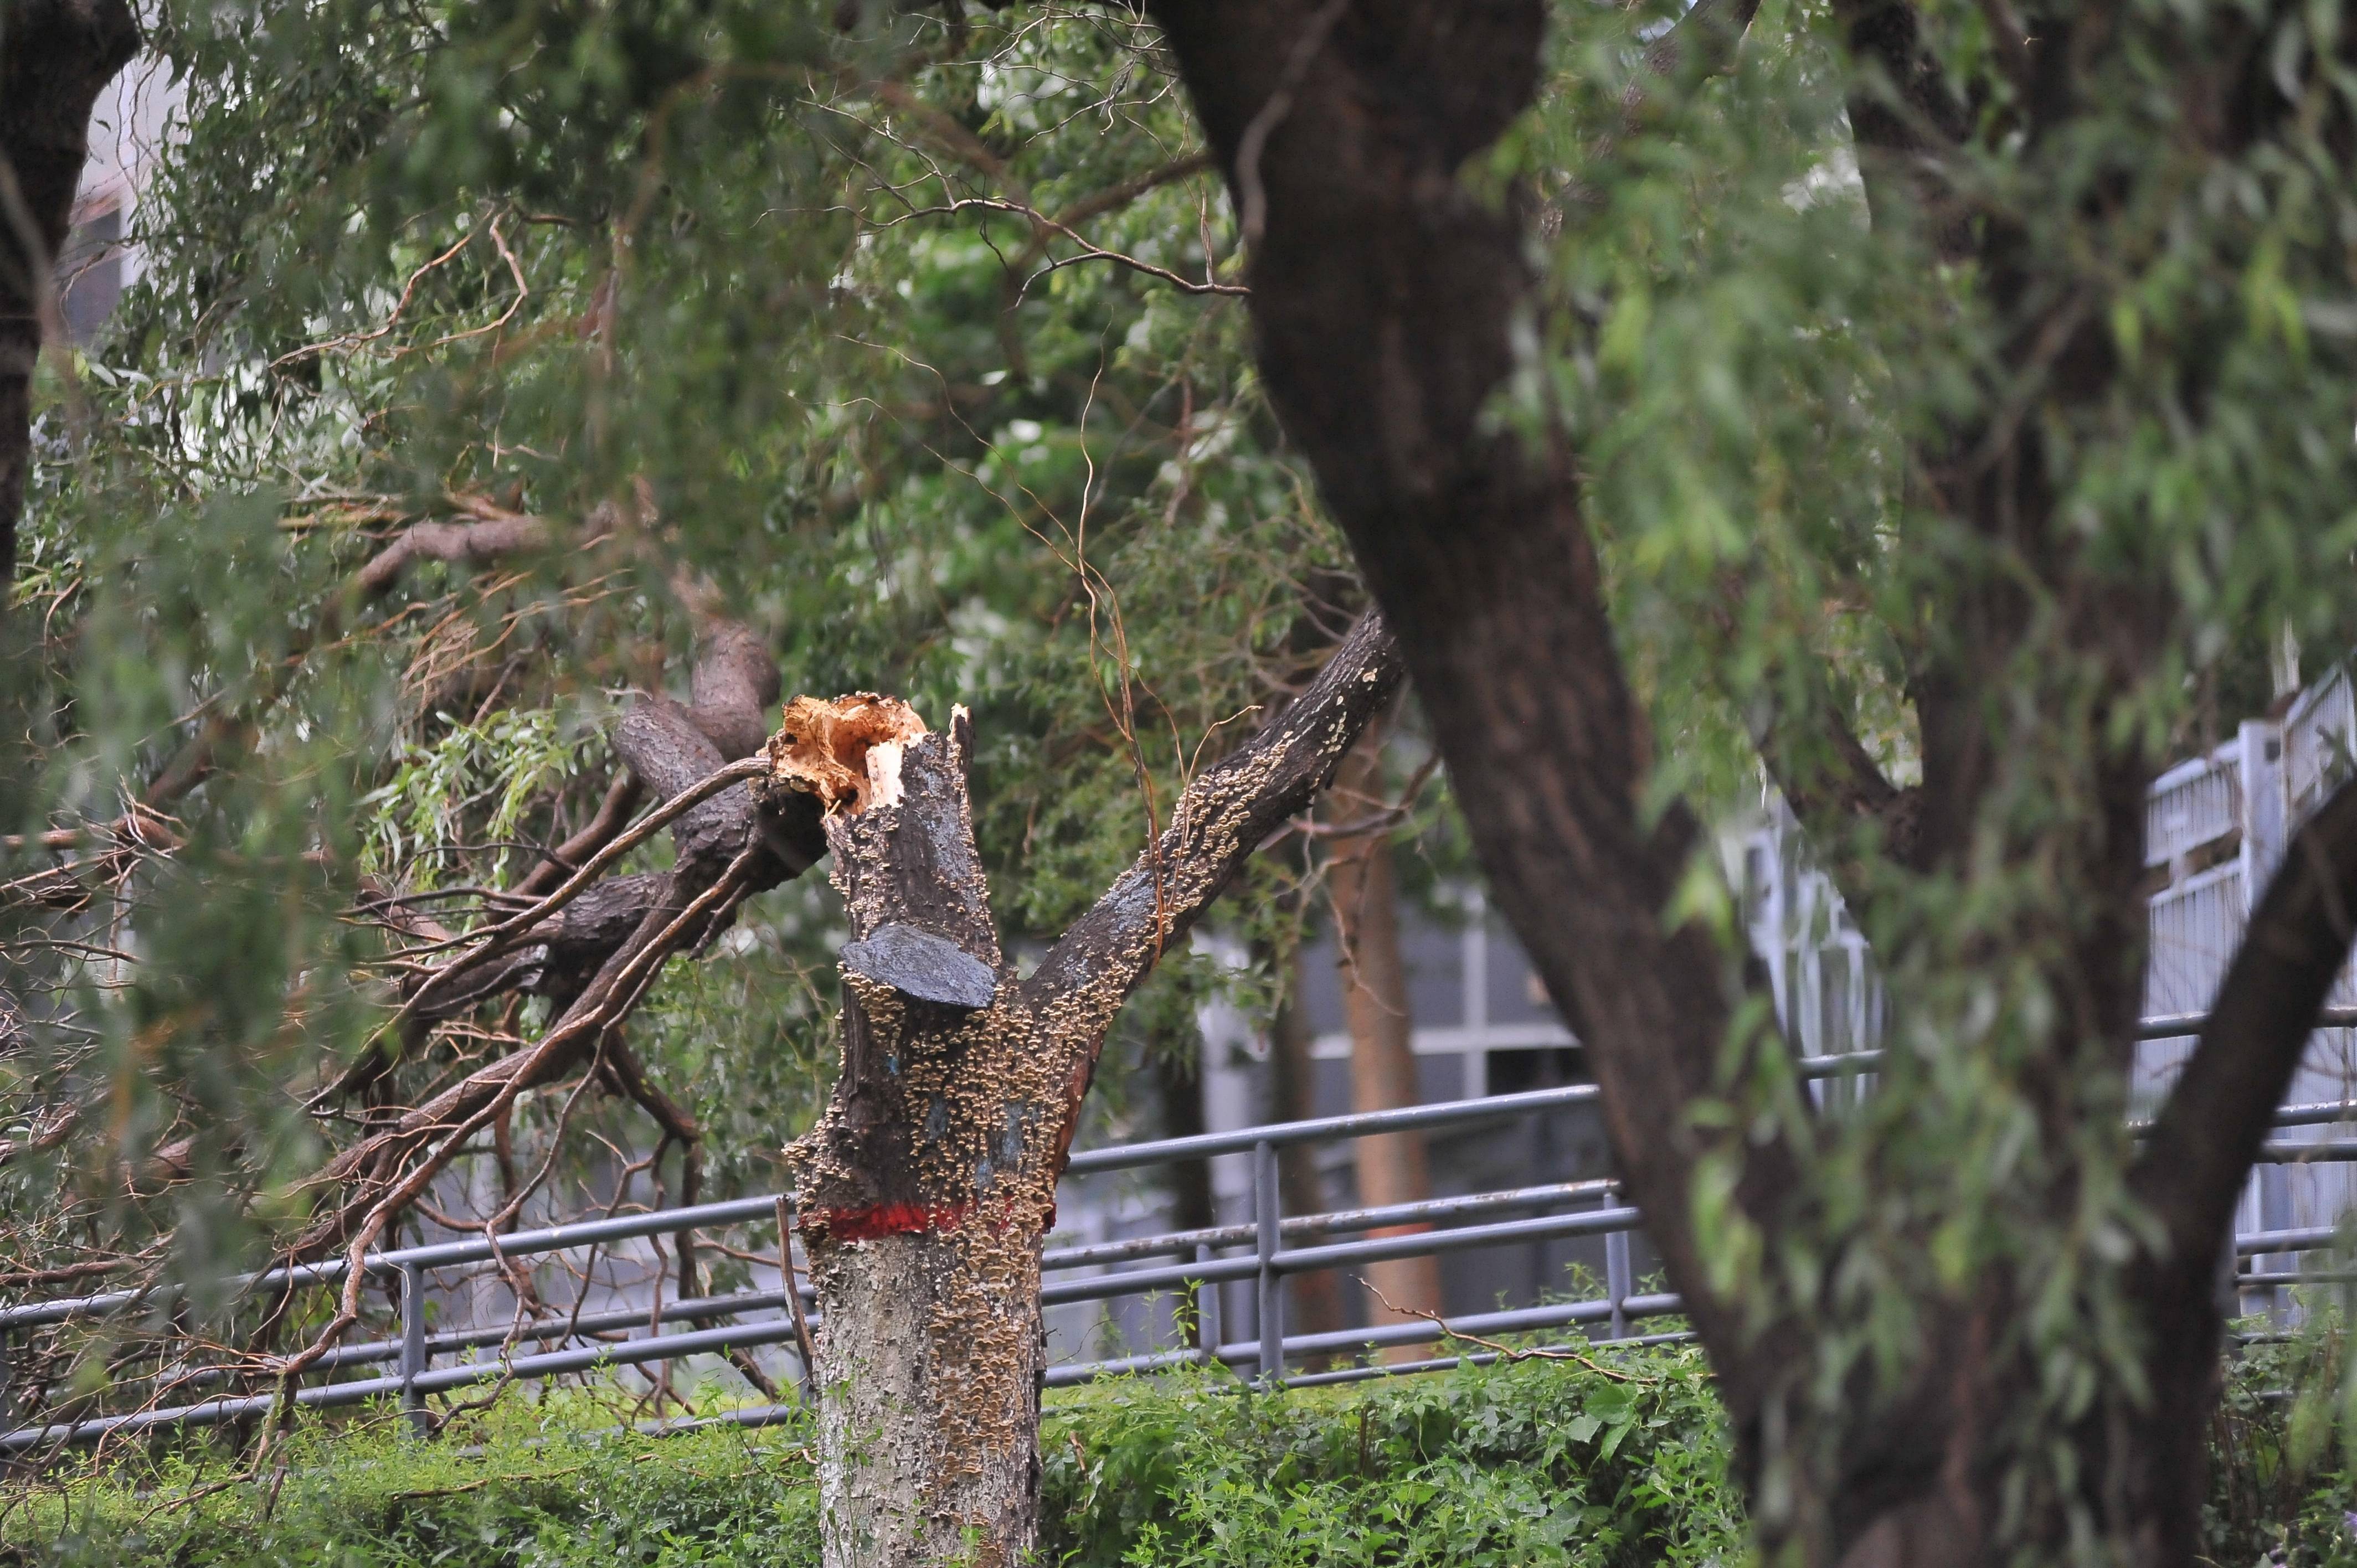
(922, 1215)
(1313, 1302)
(56, 56)
(1395, 310)
(927, 1188)
(1392, 1167)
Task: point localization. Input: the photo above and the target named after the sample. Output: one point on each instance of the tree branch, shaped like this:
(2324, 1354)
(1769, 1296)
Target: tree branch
(1902, 116)
(1833, 783)
(622, 798)
(1223, 816)
(2208, 1133)
(596, 942)
(497, 535)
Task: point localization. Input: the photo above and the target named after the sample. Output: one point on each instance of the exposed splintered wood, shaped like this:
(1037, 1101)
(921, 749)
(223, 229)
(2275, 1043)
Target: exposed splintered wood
(845, 752)
(927, 1186)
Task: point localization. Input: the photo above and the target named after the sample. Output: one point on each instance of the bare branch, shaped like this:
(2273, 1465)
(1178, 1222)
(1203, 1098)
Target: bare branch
(477, 543)
(1120, 194)
(622, 798)
(1223, 816)
(1503, 1352)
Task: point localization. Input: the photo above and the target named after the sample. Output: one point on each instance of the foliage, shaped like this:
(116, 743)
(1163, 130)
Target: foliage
(1525, 1464)
(2283, 1482)
(1529, 1464)
(713, 287)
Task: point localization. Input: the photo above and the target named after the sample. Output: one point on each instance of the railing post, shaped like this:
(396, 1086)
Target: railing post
(2265, 805)
(1272, 1288)
(1616, 1272)
(413, 1347)
(1207, 1308)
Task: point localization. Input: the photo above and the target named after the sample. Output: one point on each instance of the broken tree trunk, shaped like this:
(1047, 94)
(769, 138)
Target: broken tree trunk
(929, 1185)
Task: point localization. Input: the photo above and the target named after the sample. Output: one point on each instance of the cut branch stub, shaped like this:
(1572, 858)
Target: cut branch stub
(922, 967)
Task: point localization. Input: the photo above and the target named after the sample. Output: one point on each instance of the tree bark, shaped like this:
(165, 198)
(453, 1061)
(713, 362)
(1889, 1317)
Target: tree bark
(1390, 304)
(1394, 1167)
(1387, 299)
(927, 1188)
(56, 57)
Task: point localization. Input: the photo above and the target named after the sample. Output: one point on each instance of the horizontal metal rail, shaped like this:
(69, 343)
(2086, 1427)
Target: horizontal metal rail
(550, 1364)
(435, 1255)
(1105, 1286)
(1184, 1242)
(2324, 1151)
(1267, 1248)
(541, 1330)
(2306, 1239)
(1366, 1123)
(2184, 1025)
(1520, 1320)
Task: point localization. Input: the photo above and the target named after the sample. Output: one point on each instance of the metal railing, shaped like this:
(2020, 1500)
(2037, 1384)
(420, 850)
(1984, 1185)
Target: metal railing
(1265, 1251)
(1280, 1247)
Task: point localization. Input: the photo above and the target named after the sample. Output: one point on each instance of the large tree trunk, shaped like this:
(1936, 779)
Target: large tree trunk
(56, 56)
(1395, 307)
(929, 1185)
(1394, 1167)
(1387, 299)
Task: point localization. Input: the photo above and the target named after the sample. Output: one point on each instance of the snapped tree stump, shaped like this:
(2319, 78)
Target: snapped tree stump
(926, 1189)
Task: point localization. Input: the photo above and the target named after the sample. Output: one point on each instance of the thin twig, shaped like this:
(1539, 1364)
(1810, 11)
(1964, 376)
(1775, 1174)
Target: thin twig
(1506, 1352)
(794, 1303)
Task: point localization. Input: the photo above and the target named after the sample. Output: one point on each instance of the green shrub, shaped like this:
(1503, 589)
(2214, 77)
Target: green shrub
(1529, 1465)
(2282, 1485)
(1537, 1464)
(1541, 1462)
(360, 1496)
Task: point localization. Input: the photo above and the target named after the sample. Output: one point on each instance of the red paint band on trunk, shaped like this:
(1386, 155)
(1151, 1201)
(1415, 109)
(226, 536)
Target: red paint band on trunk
(866, 1224)
(869, 1221)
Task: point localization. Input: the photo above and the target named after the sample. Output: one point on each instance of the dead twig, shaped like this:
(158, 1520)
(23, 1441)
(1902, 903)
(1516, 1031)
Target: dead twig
(794, 1303)
(1503, 1352)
